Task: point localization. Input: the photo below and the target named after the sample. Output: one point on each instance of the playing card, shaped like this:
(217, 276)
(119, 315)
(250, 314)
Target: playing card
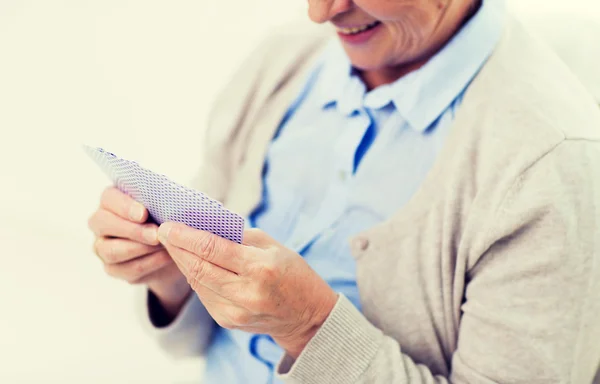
(167, 200)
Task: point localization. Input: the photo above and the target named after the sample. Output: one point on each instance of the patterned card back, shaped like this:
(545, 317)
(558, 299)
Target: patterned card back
(167, 200)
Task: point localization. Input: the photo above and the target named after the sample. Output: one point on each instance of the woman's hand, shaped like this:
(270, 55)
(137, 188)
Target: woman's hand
(259, 286)
(130, 251)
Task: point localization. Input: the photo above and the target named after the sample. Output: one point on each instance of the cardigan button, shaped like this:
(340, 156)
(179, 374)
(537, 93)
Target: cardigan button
(361, 243)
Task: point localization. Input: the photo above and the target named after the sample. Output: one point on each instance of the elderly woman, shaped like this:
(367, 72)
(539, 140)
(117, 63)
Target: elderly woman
(424, 197)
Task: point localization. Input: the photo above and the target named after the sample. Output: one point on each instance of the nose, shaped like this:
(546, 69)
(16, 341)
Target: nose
(321, 11)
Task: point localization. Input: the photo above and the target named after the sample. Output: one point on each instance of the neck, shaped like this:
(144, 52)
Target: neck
(448, 22)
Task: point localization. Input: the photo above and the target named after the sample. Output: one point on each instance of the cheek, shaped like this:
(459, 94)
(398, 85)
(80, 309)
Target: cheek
(388, 10)
(404, 16)
(408, 26)
(406, 31)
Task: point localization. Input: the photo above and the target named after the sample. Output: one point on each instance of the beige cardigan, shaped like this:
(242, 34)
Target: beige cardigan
(490, 274)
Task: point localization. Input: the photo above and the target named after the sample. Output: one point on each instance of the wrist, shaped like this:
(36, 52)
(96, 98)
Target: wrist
(171, 298)
(295, 344)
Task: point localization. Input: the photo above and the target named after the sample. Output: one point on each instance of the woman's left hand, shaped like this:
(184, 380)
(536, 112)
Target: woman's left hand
(259, 286)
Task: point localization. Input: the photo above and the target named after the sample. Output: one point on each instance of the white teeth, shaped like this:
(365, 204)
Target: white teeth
(352, 31)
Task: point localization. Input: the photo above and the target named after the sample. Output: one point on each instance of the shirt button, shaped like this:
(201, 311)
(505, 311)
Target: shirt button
(342, 175)
(361, 243)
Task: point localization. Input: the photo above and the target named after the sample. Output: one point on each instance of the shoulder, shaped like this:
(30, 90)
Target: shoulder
(527, 130)
(526, 94)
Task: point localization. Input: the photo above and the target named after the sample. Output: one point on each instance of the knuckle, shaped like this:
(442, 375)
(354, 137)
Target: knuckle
(92, 222)
(107, 193)
(205, 246)
(105, 250)
(137, 232)
(197, 271)
(269, 271)
(252, 234)
(109, 253)
(142, 233)
(255, 233)
(97, 246)
(99, 222)
(100, 248)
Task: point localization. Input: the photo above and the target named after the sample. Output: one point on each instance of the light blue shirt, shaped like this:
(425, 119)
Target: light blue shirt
(344, 160)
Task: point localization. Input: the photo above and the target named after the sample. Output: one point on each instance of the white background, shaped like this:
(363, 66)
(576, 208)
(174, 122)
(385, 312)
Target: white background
(136, 77)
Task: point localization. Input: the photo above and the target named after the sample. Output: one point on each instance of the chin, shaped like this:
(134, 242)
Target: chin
(367, 58)
(367, 64)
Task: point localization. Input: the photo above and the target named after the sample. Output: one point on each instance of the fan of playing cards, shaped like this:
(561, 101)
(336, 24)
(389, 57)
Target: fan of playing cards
(167, 200)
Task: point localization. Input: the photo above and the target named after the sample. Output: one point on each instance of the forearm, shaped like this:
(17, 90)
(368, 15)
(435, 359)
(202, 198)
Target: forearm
(348, 349)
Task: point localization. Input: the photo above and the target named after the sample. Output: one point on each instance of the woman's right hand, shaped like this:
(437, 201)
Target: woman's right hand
(130, 251)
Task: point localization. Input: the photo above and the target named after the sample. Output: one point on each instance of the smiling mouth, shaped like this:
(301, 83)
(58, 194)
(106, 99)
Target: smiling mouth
(357, 30)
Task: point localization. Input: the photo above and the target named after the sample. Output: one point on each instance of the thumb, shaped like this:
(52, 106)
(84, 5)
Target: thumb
(255, 237)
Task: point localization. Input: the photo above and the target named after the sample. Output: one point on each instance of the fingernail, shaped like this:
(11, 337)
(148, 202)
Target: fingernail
(150, 234)
(136, 212)
(163, 232)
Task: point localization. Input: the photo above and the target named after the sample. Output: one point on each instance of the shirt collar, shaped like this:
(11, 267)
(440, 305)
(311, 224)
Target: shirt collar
(424, 94)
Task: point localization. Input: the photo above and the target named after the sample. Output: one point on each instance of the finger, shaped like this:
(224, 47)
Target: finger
(135, 271)
(209, 247)
(201, 273)
(115, 251)
(255, 237)
(123, 205)
(227, 300)
(106, 224)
